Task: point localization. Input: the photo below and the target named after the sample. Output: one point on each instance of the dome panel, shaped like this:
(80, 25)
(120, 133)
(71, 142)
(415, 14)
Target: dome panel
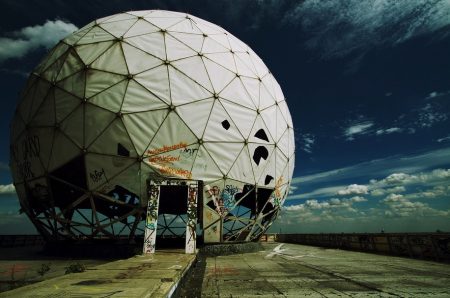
(141, 27)
(244, 118)
(194, 68)
(90, 52)
(176, 49)
(118, 28)
(186, 26)
(242, 169)
(224, 161)
(97, 81)
(114, 140)
(137, 60)
(183, 89)
(74, 84)
(72, 64)
(156, 80)
(63, 150)
(220, 126)
(111, 98)
(143, 127)
(96, 121)
(196, 114)
(138, 99)
(116, 65)
(94, 35)
(152, 43)
(192, 40)
(218, 75)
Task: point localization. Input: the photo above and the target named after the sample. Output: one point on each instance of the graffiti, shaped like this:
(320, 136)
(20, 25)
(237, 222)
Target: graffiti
(166, 148)
(97, 176)
(276, 197)
(164, 159)
(191, 219)
(151, 225)
(24, 169)
(175, 172)
(189, 153)
(151, 221)
(31, 147)
(228, 197)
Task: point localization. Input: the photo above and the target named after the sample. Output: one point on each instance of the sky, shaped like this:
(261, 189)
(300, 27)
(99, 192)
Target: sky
(367, 83)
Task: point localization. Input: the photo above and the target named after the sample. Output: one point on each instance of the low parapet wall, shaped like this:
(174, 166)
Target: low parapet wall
(434, 246)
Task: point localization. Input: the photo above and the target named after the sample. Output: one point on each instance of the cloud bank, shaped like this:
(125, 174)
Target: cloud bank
(30, 38)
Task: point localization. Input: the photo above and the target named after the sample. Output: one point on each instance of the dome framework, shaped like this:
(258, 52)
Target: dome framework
(152, 98)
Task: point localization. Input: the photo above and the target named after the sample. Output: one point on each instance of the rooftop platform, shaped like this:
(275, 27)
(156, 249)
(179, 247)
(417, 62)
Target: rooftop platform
(278, 270)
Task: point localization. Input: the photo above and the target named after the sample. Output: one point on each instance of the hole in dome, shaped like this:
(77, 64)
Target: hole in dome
(261, 134)
(260, 153)
(268, 179)
(122, 151)
(226, 124)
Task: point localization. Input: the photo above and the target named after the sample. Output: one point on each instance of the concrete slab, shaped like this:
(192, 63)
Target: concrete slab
(141, 276)
(291, 270)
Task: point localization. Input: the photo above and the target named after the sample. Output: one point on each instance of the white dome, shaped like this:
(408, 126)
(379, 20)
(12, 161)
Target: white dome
(148, 94)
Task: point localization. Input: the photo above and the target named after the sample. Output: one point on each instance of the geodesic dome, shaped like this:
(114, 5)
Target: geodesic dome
(150, 95)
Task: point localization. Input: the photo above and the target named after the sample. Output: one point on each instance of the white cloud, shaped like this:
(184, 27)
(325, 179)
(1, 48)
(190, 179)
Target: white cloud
(307, 142)
(444, 139)
(320, 192)
(429, 116)
(339, 28)
(435, 94)
(388, 131)
(361, 128)
(7, 189)
(393, 198)
(353, 189)
(30, 38)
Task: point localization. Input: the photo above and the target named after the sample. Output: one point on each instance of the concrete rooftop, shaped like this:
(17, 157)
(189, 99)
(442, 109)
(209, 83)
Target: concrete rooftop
(280, 270)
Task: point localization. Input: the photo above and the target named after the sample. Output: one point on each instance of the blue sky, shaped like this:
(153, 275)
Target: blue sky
(367, 83)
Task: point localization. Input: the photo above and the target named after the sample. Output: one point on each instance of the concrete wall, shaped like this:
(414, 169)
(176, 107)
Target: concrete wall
(21, 240)
(434, 246)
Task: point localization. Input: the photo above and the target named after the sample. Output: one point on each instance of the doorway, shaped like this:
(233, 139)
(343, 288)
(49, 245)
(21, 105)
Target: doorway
(171, 213)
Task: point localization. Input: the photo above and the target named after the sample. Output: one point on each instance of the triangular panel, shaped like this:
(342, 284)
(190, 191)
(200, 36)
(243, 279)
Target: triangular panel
(138, 99)
(196, 115)
(224, 154)
(95, 34)
(97, 81)
(118, 29)
(137, 60)
(114, 141)
(205, 167)
(195, 69)
(151, 43)
(89, 52)
(157, 81)
(244, 118)
(194, 41)
(183, 89)
(72, 126)
(97, 120)
(141, 27)
(142, 127)
(221, 127)
(219, 76)
(116, 65)
(176, 49)
(242, 169)
(111, 98)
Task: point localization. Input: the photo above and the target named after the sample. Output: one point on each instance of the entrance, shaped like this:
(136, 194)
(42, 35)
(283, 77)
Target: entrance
(175, 203)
